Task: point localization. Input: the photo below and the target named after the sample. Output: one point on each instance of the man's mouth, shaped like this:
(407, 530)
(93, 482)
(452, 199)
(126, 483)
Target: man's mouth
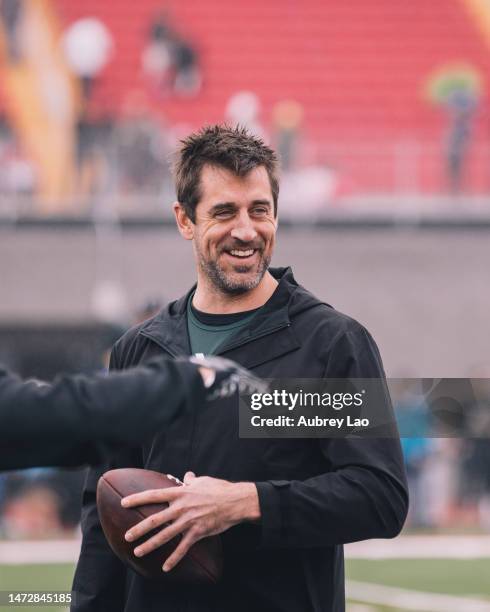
(241, 253)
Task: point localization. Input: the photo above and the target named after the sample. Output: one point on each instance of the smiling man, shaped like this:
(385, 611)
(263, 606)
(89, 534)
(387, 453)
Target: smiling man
(284, 508)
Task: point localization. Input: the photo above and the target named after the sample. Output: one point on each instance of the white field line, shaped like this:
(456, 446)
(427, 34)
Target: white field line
(357, 607)
(39, 552)
(413, 600)
(21, 552)
(422, 546)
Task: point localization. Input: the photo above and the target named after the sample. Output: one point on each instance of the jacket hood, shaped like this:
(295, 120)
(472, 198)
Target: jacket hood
(301, 298)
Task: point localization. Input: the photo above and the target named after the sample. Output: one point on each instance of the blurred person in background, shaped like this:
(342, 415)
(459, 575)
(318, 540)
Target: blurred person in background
(170, 60)
(461, 107)
(11, 15)
(457, 89)
(440, 482)
(17, 172)
(287, 117)
(157, 58)
(60, 491)
(33, 513)
(475, 461)
(141, 149)
(187, 81)
(88, 48)
(412, 415)
(447, 400)
(244, 108)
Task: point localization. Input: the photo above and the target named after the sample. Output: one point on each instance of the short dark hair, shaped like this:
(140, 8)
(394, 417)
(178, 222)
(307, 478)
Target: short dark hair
(232, 148)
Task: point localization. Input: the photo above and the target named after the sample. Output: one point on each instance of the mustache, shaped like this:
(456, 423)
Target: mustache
(243, 245)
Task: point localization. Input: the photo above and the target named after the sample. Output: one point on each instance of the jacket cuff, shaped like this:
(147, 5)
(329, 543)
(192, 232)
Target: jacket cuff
(272, 510)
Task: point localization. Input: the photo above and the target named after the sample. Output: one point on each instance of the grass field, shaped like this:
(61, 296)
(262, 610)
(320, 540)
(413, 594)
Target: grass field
(450, 576)
(455, 577)
(45, 577)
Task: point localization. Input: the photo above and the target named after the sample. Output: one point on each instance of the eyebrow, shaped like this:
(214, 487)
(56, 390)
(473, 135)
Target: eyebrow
(263, 202)
(227, 205)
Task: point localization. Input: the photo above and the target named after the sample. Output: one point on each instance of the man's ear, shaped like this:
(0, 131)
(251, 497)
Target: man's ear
(184, 224)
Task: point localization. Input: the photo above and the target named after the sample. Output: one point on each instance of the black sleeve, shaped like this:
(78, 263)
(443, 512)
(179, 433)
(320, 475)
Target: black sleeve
(100, 577)
(364, 492)
(78, 420)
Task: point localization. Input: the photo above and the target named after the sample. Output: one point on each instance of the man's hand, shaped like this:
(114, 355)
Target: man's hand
(202, 507)
(223, 377)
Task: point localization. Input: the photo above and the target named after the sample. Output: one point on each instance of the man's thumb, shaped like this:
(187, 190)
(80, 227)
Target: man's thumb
(189, 477)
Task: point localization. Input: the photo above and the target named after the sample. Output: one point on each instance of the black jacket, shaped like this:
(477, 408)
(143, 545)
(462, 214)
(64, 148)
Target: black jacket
(80, 420)
(315, 495)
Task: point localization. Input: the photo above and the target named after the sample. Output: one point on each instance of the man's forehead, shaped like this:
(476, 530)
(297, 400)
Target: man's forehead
(218, 183)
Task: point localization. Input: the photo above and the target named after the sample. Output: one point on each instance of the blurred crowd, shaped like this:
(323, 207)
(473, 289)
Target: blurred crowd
(446, 444)
(102, 148)
(125, 150)
(74, 144)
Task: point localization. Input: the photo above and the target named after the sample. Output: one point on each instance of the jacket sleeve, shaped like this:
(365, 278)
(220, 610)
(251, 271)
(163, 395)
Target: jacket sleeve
(79, 420)
(100, 577)
(364, 492)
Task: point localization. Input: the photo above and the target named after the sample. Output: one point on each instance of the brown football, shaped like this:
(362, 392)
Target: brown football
(203, 562)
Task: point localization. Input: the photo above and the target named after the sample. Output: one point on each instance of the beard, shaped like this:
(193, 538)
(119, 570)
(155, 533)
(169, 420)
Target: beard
(230, 283)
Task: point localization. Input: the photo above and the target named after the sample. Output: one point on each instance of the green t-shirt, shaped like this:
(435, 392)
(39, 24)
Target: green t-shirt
(207, 332)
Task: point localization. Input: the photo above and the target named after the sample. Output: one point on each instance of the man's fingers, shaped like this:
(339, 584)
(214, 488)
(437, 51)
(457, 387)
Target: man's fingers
(163, 536)
(187, 541)
(151, 496)
(151, 522)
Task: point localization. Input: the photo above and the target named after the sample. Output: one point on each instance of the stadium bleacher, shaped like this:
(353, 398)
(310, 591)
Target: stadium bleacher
(358, 68)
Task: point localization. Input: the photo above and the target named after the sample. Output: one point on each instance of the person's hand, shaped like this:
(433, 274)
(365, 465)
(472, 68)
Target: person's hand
(202, 507)
(208, 376)
(223, 377)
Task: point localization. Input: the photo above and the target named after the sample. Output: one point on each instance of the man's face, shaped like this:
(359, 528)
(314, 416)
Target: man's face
(235, 228)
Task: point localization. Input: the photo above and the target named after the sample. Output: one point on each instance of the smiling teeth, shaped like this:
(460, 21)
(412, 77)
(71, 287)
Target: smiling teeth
(242, 253)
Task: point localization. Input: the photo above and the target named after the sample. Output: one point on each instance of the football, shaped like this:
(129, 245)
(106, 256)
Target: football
(203, 562)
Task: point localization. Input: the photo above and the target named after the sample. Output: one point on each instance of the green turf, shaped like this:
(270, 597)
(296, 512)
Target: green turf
(36, 578)
(450, 576)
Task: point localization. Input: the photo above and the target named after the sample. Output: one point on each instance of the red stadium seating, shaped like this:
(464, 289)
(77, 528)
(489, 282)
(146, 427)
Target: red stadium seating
(358, 67)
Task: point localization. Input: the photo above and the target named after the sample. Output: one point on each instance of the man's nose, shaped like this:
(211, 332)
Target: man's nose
(244, 229)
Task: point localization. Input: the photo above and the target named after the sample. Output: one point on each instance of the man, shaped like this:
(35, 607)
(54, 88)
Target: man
(79, 420)
(283, 507)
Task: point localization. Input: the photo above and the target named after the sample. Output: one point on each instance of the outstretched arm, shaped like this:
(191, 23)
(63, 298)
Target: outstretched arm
(79, 420)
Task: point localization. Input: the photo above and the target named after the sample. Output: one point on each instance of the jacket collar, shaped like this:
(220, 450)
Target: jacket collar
(169, 327)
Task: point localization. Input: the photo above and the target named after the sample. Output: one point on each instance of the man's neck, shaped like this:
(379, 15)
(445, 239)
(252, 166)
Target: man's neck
(211, 300)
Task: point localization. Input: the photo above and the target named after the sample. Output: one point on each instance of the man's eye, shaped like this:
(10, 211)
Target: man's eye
(223, 214)
(260, 211)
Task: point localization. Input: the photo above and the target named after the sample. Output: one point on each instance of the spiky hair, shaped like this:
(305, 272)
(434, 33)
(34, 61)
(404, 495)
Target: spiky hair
(232, 148)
